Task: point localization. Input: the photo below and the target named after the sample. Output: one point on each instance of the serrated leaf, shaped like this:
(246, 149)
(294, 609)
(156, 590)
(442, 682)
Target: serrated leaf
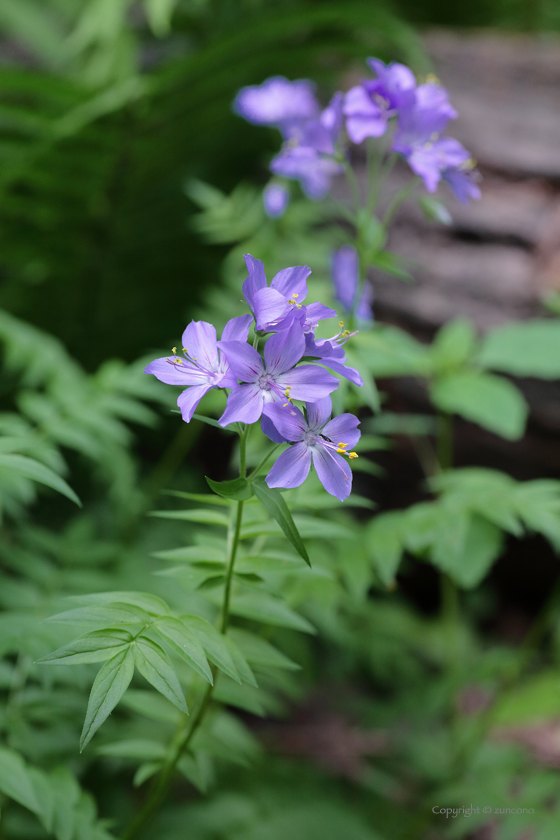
(93, 647)
(15, 781)
(108, 687)
(155, 666)
(185, 643)
(239, 488)
(260, 652)
(37, 471)
(492, 402)
(273, 502)
(204, 517)
(213, 643)
(102, 614)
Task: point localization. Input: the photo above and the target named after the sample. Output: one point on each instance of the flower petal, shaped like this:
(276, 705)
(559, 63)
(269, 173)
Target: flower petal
(343, 429)
(290, 282)
(174, 373)
(256, 279)
(269, 306)
(200, 340)
(308, 383)
(345, 270)
(339, 367)
(287, 419)
(283, 350)
(237, 329)
(243, 359)
(292, 467)
(269, 429)
(244, 405)
(319, 413)
(334, 472)
(189, 399)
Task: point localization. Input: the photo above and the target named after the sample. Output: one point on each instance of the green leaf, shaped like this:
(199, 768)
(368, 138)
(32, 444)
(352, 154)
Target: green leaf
(466, 551)
(273, 502)
(213, 643)
(184, 642)
(37, 471)
(392, 264)
(270, 610)
(150, 603)
(454, 345)
(530, 348)
(260, 652)
(155, 666)
(103, 614)
(93, 647)
(15, 781)
(204, 498)
(193, 554)
(109, 686)
(434, 210)
(244, 697)
(488, 400)
(241, 663)
(215, 423)
(535, 699)
(385, 545)
(389, 351)
(205, 517)
(138, 748)
(151, 705)
(238, 489)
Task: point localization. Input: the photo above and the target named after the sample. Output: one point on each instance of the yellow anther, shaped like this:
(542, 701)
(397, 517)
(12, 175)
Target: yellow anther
(353, 455)
(174, 351)
(178, 361)
(432, 79)
(287, 394)
(295, 295)
(343, 444)
(341, 324)
(346, 333)
(185, 351)
(341, 451)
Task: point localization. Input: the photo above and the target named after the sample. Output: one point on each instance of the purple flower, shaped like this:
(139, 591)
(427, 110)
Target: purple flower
(306, 165)
(463, 182)
(275, 199)
(369, 106)
(424, 117)
(329, 353)
(274, 306)
(431, 160)
(278, 102)
(322, 134)
(345, 275)
(202, 366)
(274, 380)
(317, 439)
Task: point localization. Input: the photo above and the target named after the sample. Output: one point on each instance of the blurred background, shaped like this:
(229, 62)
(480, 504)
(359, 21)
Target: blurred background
(113, 114)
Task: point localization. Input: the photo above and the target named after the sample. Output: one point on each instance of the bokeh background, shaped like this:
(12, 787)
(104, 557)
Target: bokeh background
(113, 113)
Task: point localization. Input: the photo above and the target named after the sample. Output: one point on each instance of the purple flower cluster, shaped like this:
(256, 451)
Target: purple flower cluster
(292, 367)
(312, 153)
(421, 113)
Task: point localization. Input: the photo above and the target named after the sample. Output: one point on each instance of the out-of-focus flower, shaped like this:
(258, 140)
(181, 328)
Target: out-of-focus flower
(329, 353)
(276, 379)
(369, 107)
(345, 276)
(202, 366)
(423, 117)
(275, 199)
(431, 160)
(317, 439)
(463, 182)
(306, 157)
(278, 102)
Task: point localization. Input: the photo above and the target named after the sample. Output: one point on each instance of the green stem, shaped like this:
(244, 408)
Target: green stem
(354, 186)
(399, 198)
(257, 470)
(186, 732)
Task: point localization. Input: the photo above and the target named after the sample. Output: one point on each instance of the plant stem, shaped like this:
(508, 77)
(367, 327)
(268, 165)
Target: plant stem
(354, 186)
(264, 460)
(186, 732)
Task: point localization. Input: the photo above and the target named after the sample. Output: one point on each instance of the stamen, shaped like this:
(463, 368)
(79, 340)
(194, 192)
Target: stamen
(342, 445)
(287, 395)
(353, 455)
(341, 324)
(174, 351)
(177, 361)
(185, 351)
